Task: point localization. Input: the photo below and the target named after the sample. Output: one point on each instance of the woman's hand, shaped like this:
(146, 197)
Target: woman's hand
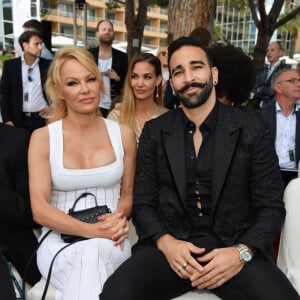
(114, 226)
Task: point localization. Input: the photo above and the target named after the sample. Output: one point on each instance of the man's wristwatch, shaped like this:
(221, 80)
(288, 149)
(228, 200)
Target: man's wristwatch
(245, 254)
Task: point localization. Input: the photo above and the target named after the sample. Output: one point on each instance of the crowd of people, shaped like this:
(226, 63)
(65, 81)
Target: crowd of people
(166, 140)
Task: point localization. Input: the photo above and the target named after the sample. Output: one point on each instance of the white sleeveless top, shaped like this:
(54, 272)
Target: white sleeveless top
(67, 184)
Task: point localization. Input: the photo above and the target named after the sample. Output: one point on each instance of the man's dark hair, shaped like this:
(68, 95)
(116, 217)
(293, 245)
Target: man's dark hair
(34, 24)
(27, 35)
(188, 41)
(104, 20)
(201, 35)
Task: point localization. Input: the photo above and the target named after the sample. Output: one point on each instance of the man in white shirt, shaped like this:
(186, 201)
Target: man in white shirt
(112, 64)
(283, 116)
(23, 99)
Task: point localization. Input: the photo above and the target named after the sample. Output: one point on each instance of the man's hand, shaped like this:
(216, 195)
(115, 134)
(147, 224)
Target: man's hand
(10, 123)
(112, 74)
(178, 254)
(222, 265)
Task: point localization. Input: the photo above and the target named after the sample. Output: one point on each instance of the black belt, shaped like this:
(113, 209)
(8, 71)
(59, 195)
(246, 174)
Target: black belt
(32, 115)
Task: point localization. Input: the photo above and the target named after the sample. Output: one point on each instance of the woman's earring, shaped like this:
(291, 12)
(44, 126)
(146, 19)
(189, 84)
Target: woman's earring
(156, 96)
(215, 82)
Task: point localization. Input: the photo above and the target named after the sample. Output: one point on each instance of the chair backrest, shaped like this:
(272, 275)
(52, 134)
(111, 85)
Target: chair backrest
(289, 247)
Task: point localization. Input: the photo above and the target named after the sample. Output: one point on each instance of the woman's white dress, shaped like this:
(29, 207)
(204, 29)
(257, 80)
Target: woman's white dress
(81, 269)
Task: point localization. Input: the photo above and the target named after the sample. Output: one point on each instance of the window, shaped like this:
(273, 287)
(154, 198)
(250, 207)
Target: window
(66, 29)
(110, 15)
(7, 10)
(33, 8)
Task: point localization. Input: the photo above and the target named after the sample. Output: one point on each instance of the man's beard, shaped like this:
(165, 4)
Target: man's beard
(105, 41)
(202, 97)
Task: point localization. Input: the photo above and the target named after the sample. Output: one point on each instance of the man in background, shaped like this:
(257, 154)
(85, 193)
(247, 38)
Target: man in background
(23, 100)
(263, 92)
(112, 64)
(283, 117)
(34, 25)
(202, 35)
(17, 240)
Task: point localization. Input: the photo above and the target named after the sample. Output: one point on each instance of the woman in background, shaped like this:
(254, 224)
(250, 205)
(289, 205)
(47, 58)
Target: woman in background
(236, 74)
(78, 152)
(142, 96)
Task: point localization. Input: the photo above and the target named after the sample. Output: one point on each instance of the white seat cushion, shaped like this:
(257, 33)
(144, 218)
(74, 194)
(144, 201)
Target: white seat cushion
(198, 295)
(36, 292)
(289, 247)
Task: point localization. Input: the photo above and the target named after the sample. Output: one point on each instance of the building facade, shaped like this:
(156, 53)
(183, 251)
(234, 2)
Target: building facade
(62, 19)
(69, 23)
(238, 28)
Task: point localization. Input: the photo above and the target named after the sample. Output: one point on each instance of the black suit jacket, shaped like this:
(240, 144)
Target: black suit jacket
(16, 223)
(119, 64)
(11, 89)
(262, 88)
(247, 188)
(268, 113)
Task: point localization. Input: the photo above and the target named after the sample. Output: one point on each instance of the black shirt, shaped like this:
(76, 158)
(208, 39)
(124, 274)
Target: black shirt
(199, 173)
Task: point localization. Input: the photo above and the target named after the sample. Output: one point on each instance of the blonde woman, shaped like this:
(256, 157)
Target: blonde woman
(79, 151)
(142, 97)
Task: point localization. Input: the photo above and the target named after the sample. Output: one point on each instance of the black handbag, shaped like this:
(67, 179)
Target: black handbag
(88, 215)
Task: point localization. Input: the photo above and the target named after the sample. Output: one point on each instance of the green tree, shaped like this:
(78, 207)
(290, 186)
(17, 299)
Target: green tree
(292, 27)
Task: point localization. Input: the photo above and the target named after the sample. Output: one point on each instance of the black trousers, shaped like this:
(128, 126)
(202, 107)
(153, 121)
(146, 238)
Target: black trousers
(288, 176)
(7, 291)
(20, 245)
(147, 275)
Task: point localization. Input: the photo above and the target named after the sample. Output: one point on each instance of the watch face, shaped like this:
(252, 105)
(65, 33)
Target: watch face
(246, 256)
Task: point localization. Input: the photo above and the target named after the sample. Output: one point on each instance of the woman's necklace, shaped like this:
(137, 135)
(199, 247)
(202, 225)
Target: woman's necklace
(145, 116)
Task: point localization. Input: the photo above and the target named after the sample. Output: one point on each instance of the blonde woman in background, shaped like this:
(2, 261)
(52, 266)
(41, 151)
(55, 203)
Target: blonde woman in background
(142, 96)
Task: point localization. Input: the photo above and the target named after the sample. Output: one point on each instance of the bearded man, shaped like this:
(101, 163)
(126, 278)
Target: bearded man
(207, 197)
(112, 64)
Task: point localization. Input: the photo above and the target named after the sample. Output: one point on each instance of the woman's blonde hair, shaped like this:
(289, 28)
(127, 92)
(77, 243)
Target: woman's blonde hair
(128, 106)
(53, 82)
